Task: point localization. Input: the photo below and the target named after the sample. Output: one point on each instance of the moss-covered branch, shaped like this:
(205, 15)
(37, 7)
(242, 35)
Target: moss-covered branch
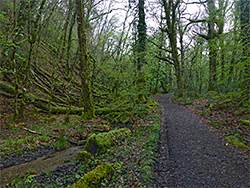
(40, 102)
(94, 177)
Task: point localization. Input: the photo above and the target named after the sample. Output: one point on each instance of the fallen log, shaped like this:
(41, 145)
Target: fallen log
(41, 103)
(94, 177)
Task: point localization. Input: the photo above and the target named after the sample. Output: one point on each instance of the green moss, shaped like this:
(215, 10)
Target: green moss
(94, 178)
(4, 86)
(99, 143)
(83, 155)
(19, 142)
(21, 124)
(102, 128)
(245, 122)
(236, 142)
(107, 127)
(82, 142)
(51, 118)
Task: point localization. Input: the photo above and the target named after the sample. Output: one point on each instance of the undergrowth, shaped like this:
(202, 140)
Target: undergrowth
(132, 159)
(224, 112)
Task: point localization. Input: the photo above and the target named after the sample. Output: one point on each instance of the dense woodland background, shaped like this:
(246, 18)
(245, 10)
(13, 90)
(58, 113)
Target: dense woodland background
(73, 69)
(72, 54)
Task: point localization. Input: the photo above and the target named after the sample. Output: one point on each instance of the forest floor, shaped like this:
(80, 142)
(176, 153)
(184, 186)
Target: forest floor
(193, 154)
(39, 139)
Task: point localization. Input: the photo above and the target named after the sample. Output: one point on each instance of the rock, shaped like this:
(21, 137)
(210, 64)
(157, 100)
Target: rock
(94, 177)
(99, 143)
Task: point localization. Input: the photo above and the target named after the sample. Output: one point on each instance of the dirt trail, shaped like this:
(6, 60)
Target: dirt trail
(192, 156)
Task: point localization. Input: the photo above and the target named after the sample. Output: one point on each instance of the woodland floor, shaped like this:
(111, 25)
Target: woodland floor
(191, 152)
(24, 140)
(194, 155)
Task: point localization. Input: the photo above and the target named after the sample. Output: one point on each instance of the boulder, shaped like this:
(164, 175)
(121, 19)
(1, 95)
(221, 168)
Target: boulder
(94, 177)
(99, 143)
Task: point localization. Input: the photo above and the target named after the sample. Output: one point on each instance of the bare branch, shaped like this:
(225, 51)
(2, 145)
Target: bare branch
(196, 3)
(161, 48)
(201, 35)
(167, 59)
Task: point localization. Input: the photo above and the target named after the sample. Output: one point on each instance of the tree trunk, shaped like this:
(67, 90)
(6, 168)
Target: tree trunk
(245, 33)
(86, 92)
(212, 45)
(171, 19)
(141, 46)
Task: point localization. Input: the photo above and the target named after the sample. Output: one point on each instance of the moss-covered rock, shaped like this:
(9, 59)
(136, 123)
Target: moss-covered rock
(83, 155)
(245, 122)
(99, 143)
(94, 177)
(236, 142)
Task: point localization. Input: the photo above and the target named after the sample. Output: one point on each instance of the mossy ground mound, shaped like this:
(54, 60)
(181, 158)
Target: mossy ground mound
(99, 143)
(236, 142)
(94, 177)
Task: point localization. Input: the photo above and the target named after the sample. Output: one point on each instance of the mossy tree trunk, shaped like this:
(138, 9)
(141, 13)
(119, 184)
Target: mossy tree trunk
(212, 38)
(245, 33)
(86, 91)
(141, 47)
(13, 59)
(212, 45)
(170, 9)
(32, 38)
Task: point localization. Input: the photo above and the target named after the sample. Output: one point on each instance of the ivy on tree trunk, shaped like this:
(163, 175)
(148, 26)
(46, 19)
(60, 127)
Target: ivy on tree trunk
(141, 47)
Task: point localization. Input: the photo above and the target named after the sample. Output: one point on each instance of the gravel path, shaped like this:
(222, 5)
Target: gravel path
(192, 156)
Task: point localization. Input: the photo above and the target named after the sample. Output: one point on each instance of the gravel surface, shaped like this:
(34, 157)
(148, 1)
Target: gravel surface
(193, 156)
